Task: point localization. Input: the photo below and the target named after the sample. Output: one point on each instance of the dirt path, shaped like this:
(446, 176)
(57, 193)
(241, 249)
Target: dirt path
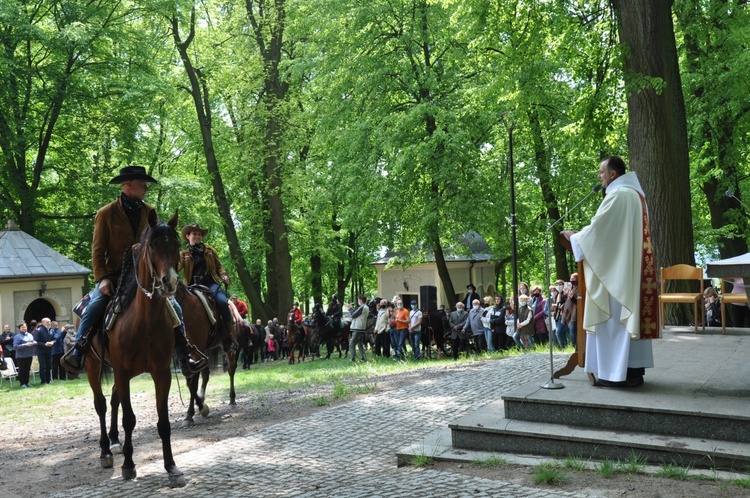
(55, 454)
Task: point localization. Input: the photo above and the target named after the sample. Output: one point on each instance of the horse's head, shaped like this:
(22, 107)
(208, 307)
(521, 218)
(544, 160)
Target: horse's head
(161, 247)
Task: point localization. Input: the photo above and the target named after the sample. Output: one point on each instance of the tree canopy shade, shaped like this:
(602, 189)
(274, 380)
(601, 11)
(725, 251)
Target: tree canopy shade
(310, 135)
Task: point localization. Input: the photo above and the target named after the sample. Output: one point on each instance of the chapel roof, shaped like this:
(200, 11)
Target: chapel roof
(21, 255)
(469, 246)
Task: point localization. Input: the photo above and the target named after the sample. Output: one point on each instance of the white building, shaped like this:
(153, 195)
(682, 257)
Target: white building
(35, 280)
(468, 263)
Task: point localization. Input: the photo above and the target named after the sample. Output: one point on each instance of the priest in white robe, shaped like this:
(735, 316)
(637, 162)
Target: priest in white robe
(620, 315)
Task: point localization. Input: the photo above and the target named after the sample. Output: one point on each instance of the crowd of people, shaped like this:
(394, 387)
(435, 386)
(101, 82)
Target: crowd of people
(44, 340)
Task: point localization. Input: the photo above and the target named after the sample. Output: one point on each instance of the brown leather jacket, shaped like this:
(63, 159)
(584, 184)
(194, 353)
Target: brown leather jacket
(213, 265)
(113, 234)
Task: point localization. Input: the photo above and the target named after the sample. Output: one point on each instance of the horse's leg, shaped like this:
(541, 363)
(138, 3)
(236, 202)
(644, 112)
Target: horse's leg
(114, 433)
(93, 369)
(203, 407)
(192, 384)
(128, 424)
(232, 367)
(162, 382)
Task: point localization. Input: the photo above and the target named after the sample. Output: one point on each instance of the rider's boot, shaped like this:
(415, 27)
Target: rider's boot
(183, 350)
(73, 359)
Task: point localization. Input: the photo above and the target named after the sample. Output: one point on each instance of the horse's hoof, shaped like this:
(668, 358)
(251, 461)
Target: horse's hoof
(177, 480)
(116, 449)
(129, 474)
(188, 423)
(205, 411)
(107, 461)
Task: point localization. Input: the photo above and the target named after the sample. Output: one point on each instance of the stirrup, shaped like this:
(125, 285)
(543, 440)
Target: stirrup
(72, 363)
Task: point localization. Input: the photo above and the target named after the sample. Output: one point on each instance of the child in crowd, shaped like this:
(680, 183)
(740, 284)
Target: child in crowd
(270, 348)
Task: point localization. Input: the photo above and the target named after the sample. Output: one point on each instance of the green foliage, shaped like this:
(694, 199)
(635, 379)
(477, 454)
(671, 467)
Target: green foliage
(549, 473)
(422, 461)
(674, 472)
(606, 468)
(574, 462)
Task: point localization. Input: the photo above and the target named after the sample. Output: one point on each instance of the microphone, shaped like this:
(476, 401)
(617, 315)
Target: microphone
(730, 193)
(596, 188)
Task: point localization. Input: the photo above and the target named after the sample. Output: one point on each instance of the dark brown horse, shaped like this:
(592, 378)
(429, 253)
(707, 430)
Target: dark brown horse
(296, 340)
(205, 336)
(141, 340)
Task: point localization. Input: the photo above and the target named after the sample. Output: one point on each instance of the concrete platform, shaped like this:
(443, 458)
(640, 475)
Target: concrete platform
(693, 410)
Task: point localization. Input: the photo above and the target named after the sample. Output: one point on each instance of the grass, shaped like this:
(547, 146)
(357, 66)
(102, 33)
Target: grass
(674, 472)
(743, 483)
(422, 461)
(573, 462)
(259, 379)
(549, 473)
(633, 465)
(606, 468)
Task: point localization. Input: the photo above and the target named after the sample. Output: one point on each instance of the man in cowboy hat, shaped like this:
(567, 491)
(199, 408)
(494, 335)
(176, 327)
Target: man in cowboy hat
(117, 226)
(201, 265)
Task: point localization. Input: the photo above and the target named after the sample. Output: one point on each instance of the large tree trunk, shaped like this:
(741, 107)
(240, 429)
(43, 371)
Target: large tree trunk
(542, 163)
(268, 23)
(657, 128)
(199, 91)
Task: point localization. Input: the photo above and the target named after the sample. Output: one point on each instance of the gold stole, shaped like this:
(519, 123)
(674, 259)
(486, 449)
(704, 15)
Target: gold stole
(649, 308)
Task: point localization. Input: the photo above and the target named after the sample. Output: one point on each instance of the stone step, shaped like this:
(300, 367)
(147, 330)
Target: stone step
(487, 430)
(655, 407)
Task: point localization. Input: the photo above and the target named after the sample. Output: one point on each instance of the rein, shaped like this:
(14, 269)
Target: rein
(154, 286)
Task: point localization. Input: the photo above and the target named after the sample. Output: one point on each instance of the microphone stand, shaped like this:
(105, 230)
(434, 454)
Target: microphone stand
(552, 384)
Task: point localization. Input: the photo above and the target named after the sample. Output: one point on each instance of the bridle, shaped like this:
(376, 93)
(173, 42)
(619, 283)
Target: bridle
(155, 286)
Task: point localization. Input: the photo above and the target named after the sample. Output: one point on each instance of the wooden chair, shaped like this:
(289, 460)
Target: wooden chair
(683, 272)
(728, 297)
(10, 373)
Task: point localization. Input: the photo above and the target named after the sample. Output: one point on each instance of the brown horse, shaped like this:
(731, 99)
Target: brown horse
(296, 340)
(205, 336)
(141, 340)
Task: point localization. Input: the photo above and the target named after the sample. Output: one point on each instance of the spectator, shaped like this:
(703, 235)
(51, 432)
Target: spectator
(284, 340)
(58, 349)
(496, 315)
(415, 329)
(474, 325)
(240, 305)
(44, 342)
(510, 326)
(259, 341)
(570, 307)
(25, 346)
(270, 348)
(557, 303)
(525, 325)
(382, 342)
(459, 339)
(69, 342)
(539, 308)
(401, 318)
(523, 289)
(471, 295)
(358, 327)
(6, 341)
(713, 307)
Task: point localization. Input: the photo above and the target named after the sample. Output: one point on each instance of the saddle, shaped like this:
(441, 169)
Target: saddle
(203, 293)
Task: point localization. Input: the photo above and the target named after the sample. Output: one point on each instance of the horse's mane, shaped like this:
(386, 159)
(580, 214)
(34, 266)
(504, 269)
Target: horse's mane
(126, 284)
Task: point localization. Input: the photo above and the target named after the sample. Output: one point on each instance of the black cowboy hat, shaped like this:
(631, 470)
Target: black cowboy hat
(472, 287)
(132, 173)
(195, 227)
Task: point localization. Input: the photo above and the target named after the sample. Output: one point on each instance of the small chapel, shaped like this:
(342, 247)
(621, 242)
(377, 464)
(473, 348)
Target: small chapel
(35, 280)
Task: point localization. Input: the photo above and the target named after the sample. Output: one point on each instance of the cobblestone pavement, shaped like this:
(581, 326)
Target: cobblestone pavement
(344, 451)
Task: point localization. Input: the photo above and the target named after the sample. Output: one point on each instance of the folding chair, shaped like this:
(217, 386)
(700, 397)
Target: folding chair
(34, 368)
(10, 373)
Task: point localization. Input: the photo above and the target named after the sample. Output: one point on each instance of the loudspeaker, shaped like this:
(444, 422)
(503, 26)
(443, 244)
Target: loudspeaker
(428, 297)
